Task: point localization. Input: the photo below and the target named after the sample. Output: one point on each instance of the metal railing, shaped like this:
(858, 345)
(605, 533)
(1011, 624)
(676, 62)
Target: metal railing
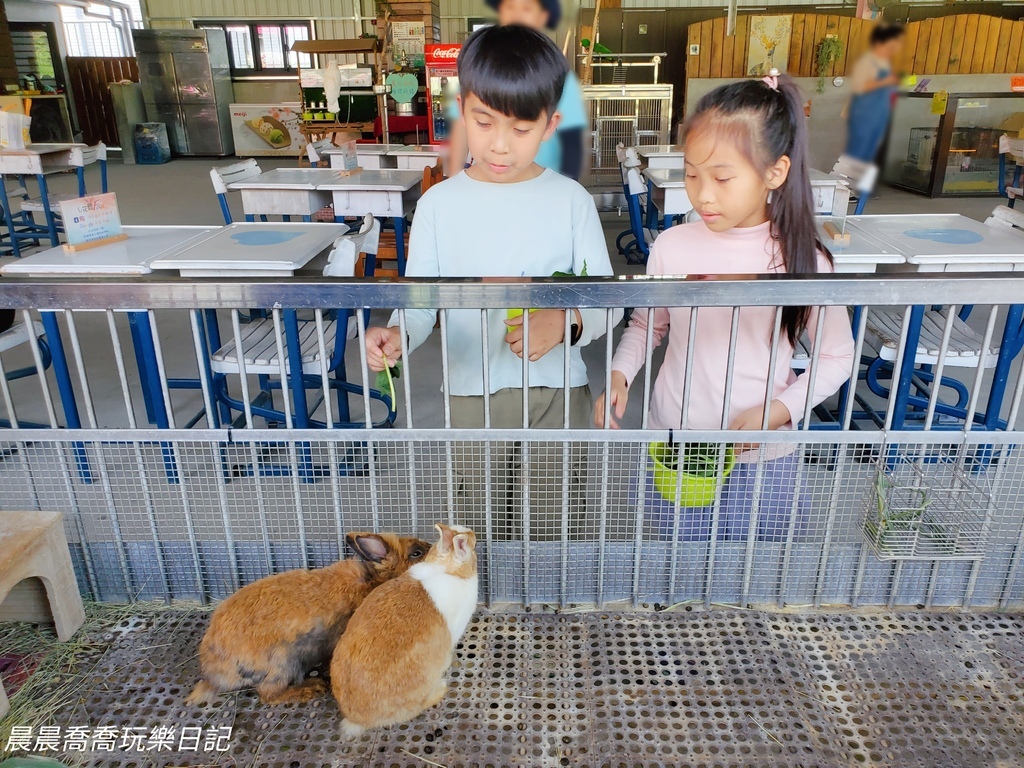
(564, 516)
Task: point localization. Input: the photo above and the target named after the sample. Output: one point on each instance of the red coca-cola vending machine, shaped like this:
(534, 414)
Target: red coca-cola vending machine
(442, 87)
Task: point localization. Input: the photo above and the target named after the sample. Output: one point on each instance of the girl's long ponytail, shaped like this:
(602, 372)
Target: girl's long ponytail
(791, 210)
(766, 118)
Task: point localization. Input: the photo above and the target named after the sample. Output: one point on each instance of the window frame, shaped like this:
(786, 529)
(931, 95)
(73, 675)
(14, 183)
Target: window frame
(476, 22)
(258, 71)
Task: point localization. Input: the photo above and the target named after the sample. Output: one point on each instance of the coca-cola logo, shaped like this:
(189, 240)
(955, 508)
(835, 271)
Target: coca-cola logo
(444, 53)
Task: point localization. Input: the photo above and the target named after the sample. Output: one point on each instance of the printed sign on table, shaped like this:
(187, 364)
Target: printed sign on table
(350, 160)
(91, 221)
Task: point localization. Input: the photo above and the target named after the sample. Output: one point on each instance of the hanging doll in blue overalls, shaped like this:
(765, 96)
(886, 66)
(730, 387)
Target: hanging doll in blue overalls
(873, 83)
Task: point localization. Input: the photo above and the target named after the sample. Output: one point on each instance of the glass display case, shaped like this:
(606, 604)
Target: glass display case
(949, 155)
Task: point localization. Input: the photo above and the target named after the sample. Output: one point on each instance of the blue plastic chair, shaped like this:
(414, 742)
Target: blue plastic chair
(259, 352)
(229, 174)
(856, 176)
(80, 158)
(1014, 148)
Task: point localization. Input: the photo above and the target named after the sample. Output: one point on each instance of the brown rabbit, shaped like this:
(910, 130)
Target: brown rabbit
(270, 633)
(390, 664)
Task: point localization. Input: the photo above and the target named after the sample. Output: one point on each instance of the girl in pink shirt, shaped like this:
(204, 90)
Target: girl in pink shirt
(747, 177)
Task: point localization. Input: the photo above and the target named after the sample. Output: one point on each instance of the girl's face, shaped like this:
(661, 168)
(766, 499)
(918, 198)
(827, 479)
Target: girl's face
(724, 186)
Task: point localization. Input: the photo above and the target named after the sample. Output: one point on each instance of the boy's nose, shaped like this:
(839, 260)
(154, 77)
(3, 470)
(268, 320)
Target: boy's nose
(499, 144)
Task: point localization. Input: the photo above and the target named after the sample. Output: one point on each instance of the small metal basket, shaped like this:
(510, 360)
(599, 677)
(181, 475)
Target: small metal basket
(925, 512)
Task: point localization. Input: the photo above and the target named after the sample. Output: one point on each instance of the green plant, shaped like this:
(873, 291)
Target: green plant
(697, 459)
(829, 51)
(890, 525)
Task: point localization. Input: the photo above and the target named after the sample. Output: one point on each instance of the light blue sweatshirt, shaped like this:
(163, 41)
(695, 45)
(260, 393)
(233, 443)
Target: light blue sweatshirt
(468, 228)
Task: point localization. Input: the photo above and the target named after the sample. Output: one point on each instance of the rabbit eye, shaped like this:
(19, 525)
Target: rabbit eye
(416, 553)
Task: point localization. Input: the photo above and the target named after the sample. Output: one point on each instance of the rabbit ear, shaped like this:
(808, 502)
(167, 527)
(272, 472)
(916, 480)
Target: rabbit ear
(368, 546)
(444, 543)
(463, 547)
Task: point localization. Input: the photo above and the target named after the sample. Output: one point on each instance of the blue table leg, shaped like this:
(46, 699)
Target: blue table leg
(850, 386)
(9, 218)
(298, 387)
(400, 243)
(652, 210)
(147, 374)
(250, 217)
(900, 392)
(51, 221)
(213, 339)
(142, 334)
(1013, 340)
(64, 386)
(206, 371)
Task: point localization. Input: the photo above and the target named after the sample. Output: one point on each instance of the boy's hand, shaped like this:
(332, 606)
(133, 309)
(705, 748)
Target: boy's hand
(619, 395)
(547, 331)
(381, 343)
(752, 418)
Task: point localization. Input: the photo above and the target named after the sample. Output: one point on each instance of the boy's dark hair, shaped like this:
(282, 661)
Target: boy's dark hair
(766, 123)
(883, 33)
(514, 70)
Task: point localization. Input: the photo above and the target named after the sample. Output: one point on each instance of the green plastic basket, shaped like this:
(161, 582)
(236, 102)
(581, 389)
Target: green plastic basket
(696, 490)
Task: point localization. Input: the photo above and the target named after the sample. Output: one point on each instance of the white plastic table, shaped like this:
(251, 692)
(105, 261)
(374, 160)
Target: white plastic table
(131, 257)
(286, 192)
(668, 187)
(127, 257)
(372, 157)
(944, 242)
(863, 254)
(252, 249)
(948, 242)
(416, 158)
(662, 155)
(384, 194)
(35, 160)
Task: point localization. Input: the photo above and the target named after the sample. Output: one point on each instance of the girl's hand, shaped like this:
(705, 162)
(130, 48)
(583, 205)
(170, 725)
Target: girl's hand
(381, 343)
(751, 419)
(547, 331)
(619, 396)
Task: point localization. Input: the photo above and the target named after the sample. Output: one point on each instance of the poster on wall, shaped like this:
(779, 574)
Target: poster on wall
(769, 44)
(407, 40)
(267, 129)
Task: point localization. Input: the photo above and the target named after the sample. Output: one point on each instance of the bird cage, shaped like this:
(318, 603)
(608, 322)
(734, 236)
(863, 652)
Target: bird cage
(634, 115)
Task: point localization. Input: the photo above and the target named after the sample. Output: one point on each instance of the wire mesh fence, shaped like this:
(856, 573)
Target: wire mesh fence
(807, 516)
(787, 531)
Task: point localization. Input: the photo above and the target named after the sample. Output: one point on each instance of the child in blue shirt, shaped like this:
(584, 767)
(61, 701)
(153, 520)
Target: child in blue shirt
(508, 217)
(563, 151)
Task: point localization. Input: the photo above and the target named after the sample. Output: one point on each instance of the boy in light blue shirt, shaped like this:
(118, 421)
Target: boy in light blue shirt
(508, 217)
(563, 151)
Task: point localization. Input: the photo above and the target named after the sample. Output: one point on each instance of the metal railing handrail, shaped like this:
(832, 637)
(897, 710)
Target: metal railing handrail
(313, 292)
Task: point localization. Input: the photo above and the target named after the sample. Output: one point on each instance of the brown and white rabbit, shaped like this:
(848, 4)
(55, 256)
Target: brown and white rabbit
(391, 662)
(270, 633)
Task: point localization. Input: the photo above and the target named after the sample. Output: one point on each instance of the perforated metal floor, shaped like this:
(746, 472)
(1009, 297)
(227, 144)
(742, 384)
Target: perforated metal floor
(618, 690)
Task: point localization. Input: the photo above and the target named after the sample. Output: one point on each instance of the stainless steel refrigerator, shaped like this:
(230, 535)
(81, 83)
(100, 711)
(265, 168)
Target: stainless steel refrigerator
(186, 83)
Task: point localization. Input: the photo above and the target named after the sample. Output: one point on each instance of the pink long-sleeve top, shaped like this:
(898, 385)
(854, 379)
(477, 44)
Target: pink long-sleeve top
(694, 249)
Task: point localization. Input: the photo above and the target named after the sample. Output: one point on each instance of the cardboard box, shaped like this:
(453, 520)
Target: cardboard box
(1014, 125)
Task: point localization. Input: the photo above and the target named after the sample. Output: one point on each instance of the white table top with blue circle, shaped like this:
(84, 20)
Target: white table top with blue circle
(943, 242)
(251, 249)
(127, 257)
